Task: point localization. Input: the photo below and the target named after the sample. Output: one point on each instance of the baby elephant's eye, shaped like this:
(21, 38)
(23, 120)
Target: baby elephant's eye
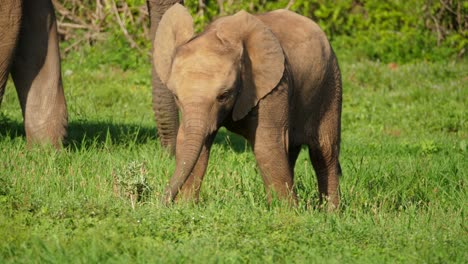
(224, 96)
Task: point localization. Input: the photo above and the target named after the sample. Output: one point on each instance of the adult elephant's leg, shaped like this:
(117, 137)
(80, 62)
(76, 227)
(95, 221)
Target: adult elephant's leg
(37, 76)
(164, 106)
(10, 21)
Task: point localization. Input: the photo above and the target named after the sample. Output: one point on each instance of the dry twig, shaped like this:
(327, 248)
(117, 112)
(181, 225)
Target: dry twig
(122, 26)
(290, 3)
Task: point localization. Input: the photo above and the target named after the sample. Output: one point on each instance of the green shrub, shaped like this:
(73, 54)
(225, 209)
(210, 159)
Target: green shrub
(388, 31)
(392, 30)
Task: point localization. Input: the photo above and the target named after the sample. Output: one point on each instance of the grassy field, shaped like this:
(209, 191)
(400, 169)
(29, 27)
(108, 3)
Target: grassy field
(404, 184)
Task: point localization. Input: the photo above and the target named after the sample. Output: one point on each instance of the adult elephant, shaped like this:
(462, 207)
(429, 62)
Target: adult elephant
(29, 51)
(164, 106)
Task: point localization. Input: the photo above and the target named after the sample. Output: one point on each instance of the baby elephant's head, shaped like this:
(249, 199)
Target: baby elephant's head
(221, 73)
(205, 78)
(225, 70)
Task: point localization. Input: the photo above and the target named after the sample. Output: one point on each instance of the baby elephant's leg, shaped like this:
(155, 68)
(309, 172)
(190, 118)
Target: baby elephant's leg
(270, 142)
(324, 147)
(327, 167)
(272, 157)
(324, 150)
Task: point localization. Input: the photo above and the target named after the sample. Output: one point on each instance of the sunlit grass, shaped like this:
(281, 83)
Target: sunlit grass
(403, 188)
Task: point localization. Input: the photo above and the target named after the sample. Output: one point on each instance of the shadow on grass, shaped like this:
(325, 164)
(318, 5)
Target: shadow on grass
(10, 128)
(230, 140)
(84, 134)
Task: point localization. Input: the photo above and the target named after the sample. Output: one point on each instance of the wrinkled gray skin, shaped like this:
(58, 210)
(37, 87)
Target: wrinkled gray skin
(271, 78)
(29, 51)
(164, 106)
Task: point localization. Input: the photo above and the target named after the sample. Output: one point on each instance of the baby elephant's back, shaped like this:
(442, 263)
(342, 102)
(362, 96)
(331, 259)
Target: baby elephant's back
(305, 44)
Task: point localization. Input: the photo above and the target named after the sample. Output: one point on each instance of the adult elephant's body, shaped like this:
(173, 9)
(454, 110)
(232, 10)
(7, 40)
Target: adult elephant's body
(272, 78)
(164, 106)
(29, 51)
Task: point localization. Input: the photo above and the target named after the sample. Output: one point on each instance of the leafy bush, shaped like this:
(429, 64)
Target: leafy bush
(399, 31)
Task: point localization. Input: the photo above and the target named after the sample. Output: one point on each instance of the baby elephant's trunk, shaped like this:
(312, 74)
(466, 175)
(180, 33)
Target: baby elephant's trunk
(189, 144)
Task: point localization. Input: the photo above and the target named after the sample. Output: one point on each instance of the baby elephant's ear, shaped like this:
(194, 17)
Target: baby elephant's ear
(262, 59)
(175, 29)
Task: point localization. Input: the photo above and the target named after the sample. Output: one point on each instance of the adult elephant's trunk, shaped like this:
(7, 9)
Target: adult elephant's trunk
(191, 139)
(164, 107)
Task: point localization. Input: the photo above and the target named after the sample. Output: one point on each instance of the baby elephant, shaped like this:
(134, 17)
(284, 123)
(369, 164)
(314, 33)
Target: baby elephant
(272, 78)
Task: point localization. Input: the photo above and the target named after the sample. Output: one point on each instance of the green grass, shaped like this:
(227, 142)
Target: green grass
(404, 184)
